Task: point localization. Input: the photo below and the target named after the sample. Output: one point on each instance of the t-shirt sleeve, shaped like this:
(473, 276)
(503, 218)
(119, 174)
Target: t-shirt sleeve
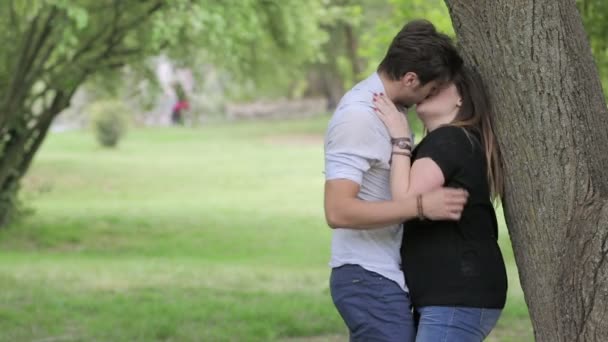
(447, 146)
(352, 145)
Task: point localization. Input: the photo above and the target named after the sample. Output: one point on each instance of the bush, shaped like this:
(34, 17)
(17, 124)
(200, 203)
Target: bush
(109, 121)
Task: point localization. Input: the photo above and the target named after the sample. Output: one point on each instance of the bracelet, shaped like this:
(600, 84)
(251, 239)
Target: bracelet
(420, 210)
(403, 147)
(394, 140)
(402, 143)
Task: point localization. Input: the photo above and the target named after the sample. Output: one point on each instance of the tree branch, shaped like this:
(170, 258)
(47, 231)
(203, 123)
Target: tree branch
(24, 76)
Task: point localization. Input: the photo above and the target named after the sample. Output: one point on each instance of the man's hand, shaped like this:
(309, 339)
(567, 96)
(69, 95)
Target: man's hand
(444, 204)
(344, 210)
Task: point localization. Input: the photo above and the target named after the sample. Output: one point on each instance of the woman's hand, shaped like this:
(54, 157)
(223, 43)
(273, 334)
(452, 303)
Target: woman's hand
(393, 119)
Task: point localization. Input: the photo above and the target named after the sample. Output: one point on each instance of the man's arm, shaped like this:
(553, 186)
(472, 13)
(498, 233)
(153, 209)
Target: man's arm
(344, 210)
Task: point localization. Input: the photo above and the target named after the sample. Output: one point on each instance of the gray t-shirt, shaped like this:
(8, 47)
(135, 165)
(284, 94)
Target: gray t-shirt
(358, 148)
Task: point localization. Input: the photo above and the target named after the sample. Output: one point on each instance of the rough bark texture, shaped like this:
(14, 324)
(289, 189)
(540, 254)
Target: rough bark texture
(552, 126)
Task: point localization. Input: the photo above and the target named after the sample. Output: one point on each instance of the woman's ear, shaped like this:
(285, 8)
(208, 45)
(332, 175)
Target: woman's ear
(459, 102)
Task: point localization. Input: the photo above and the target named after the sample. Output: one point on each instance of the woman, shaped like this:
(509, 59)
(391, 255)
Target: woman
(454, 270)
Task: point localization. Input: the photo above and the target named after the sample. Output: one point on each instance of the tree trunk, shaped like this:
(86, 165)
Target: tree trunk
(552, 126)
(324, 80)
(352, 51)
(19, 153)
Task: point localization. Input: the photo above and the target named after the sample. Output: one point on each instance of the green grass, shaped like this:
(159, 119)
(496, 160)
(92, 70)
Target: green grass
(208, 234)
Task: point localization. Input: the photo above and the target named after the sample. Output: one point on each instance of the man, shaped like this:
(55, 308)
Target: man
(367, 284)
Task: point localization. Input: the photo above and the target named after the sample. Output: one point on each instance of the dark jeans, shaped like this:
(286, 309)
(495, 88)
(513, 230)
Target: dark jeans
(373, 307)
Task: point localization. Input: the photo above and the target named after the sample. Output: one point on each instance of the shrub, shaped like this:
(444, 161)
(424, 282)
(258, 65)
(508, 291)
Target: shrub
(109, 121)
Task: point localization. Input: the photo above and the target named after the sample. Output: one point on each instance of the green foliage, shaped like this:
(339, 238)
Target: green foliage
(62, 43)
(397, 13)
(261, 40)
(595, 18)
(109, 121)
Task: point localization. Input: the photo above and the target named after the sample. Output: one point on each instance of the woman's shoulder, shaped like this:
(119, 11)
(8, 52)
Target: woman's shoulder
(449, 131)
(453, 139)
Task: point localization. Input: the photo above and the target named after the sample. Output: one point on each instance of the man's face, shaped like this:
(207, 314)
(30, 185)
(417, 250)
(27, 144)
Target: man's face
(412, 92)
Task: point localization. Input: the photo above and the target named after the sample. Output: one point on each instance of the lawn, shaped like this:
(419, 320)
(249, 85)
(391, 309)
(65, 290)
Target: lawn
(182, 234)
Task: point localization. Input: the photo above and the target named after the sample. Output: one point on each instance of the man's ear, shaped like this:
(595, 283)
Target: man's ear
(410, 80)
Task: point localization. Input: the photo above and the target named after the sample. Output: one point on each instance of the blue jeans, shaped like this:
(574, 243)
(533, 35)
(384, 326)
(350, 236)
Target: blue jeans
(374, 308)
(455, 324)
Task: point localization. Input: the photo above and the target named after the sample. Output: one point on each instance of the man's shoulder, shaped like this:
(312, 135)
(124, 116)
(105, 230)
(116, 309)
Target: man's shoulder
(355, 120)
(356, 105)
(357, 96)
(355, 111)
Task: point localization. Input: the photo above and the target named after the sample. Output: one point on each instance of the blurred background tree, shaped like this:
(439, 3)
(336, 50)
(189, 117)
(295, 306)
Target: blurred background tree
(54, 47)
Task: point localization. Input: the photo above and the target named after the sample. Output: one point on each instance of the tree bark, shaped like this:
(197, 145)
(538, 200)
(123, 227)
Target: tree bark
(551, 123)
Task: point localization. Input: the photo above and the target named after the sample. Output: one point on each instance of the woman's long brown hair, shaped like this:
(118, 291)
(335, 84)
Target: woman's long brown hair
(476, 114)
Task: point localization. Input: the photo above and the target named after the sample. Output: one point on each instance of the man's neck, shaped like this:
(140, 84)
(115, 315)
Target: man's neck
(390, 86)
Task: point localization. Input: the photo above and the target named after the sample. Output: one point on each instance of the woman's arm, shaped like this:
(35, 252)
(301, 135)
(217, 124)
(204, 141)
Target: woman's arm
(398, 127)
(407, 180)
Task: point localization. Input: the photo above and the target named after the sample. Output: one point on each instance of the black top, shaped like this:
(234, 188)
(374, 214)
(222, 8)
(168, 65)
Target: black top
(456, 263)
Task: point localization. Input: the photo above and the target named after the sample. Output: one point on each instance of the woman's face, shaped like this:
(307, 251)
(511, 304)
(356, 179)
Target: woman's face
(444, 103)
